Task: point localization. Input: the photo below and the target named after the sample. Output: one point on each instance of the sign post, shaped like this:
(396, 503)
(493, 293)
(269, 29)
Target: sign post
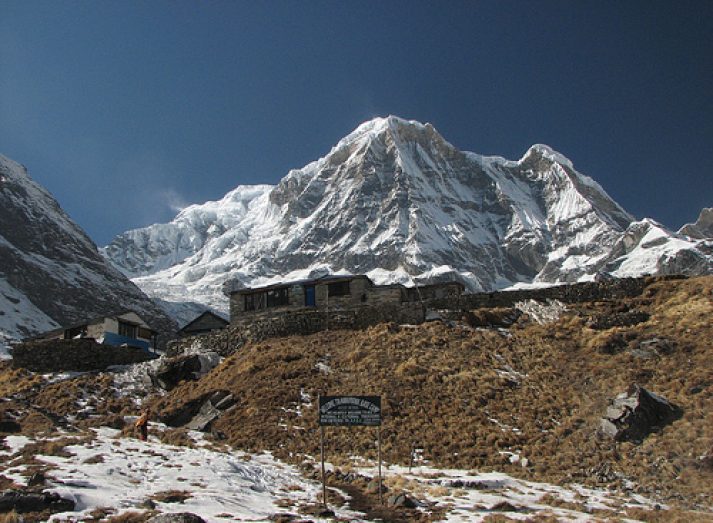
(349, 411)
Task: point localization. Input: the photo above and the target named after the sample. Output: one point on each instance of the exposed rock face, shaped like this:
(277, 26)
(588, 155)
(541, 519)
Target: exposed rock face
(702, 227)
(396, 201)
(50, 269)
(635, 414)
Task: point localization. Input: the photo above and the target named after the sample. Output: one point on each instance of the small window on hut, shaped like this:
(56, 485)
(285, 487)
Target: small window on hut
(340, 288)
(249, 302)
(264, 299)
(127, 329)
(277, 297)
(144, 333)
(75, 332)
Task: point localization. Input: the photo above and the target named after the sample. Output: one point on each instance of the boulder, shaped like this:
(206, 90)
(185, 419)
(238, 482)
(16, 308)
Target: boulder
(199, 413)
(37, 479)
(177, 517)
(401, 500)
(9, 426)
(635, 414)
(24, 502)
(171, 371)
(492, 318)
(206, 415)
(658, 346)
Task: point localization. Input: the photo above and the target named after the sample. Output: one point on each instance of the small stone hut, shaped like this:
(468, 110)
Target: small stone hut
(203, 324)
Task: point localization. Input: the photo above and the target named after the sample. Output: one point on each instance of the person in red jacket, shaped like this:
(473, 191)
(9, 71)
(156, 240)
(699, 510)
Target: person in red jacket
(143, 425)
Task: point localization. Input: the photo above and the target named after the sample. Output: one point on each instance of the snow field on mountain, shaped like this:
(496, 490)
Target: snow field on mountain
(655, 246)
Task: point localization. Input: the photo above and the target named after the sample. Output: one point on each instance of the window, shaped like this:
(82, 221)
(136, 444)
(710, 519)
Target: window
(145, 334)
(264, 299)
(340, 288)
(127, 329)
(277, 297)
(75, 332)
(249, 302)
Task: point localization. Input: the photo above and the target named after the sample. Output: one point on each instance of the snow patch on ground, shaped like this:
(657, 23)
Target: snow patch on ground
(122, 473)
(542, 312)
(119, 473)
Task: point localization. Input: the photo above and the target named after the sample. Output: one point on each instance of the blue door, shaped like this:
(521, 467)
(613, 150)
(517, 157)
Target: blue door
(309, 296)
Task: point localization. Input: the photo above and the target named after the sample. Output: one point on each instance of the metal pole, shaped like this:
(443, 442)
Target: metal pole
(378, 444)
(324, 477)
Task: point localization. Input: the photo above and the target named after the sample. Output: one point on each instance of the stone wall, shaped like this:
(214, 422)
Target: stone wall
(573, 293)
(73, 355)
(285, 322)
(304, 321)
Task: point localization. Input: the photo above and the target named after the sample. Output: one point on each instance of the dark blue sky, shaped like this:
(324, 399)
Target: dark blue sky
(127, 110)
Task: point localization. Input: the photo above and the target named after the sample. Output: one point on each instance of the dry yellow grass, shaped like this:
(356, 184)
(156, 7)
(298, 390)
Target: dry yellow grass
(465, 395)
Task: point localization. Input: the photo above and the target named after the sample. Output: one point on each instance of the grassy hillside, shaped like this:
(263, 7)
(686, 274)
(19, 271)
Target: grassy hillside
(470, 398)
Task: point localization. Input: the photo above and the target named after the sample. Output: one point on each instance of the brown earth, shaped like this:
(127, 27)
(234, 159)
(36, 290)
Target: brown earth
(467, 396)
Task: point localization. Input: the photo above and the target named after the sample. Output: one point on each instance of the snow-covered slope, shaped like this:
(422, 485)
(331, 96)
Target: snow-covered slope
(396, 201)
(51, 273)
(160, 246)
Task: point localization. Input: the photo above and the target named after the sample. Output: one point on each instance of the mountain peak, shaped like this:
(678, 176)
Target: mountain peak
(395, 201)
(540, 151)
(378, 126)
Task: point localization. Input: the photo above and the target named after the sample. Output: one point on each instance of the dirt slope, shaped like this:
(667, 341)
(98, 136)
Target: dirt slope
(471, 397)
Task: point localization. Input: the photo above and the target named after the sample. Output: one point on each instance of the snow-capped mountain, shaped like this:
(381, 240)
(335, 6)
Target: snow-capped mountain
(394, 200)
(51, 273)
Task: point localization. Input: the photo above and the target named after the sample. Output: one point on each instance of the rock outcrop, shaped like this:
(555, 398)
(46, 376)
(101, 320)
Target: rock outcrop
(23, 502)
(702, 227)
(199, 414)
(171, 371)
(635, 414)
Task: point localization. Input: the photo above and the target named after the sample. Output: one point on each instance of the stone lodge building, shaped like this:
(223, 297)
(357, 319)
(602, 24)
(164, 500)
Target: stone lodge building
(330, 293)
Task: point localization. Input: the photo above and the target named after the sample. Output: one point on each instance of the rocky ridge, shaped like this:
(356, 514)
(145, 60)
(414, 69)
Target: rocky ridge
(702, 228)
(51, 272)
